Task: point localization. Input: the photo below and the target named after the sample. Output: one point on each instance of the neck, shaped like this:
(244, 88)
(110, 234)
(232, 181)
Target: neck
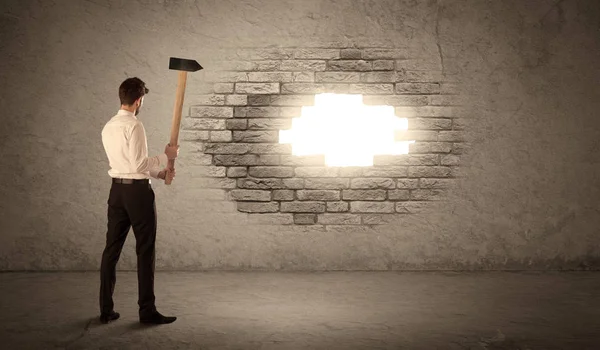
(128, 108)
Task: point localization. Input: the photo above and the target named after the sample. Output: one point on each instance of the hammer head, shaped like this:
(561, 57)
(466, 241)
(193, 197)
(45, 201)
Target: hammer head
(184, 64)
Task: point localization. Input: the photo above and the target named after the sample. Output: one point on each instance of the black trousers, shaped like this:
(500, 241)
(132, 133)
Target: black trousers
(130, 205)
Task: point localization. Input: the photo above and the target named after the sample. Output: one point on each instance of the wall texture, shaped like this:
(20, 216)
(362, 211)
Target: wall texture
(503, 97)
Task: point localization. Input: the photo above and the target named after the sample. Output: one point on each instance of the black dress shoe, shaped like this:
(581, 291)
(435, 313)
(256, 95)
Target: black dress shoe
(157, 318)
(105, 318)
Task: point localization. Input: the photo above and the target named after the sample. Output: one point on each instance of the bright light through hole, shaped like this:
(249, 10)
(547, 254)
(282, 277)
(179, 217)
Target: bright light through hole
(345, 130)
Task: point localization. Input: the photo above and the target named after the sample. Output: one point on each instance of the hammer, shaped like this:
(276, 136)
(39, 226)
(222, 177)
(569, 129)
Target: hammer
(183, 66)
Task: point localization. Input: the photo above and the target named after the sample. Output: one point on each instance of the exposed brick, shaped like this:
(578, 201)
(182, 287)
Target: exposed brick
(236, 124)
(271, 219)
(302, 88)
(417, 135)
(302, 207)
(203, 124)
(264, 77)
(220, 136)
(419, 64)
(371, 88)
(269, 159)
(237, 172)
(388, 171)
(450, 159)
(209, 100)
(257, 88)
(407, 183)
(259, 100)
(230, 148)
(317, 171)
(251, 207)
(303, 65)
(223, 88)
(339, 219)
(429, 124)
(436, 183)
(316, 160)
(417, 88)
(349, 65)
(427, 194)
(223, 183)
(293, 183)
(395, 100)
(250, 195)
(305, 219)
(430, 147)
(225, 77)
(271, 148)
(318, 195)
(303, 77)
(256, 136)
(337, 77)
(338, 207)
(318, 54)
(236, 100)
(293, 100)
(270, 171)
(350, 54)
(371, 207)
(423, 159)
(263, 184)
(211, 112)
(372, 183)
(193, 135)
(363, 195)
(448, 88)
(206, 171)
(396, 160)
(352, 171)
(398, 195)
(265, 54)
(410, 207)
(233, 160)
(424, 76)
(460, 123)
(383, 65)
(424, 111)
(459, 148)
(451, 136)
(384, 53)
(326, 183)
(379, 77)
(269, 124)
(428, 171)
(266, 65)
(256, 112)
(447, 100)
(283, 195)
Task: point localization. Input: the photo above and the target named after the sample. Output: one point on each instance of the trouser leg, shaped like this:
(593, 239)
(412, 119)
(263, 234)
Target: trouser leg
(142, 210)
(117, 229)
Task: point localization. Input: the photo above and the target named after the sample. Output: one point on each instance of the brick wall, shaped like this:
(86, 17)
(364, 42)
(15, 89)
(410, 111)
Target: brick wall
(254, 93)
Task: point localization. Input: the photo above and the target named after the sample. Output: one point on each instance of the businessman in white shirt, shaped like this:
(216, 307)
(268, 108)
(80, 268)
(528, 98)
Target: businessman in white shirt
(131, 202)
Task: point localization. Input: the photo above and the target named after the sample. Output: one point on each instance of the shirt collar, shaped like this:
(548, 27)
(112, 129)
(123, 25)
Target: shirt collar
(124, 112)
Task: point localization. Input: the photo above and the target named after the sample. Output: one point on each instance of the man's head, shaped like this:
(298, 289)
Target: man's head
(131, 93)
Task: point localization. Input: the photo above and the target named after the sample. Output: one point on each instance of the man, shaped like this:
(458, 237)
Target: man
(131, 202)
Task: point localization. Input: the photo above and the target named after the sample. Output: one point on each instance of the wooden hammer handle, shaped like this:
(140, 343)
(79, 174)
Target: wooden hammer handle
(176, 120)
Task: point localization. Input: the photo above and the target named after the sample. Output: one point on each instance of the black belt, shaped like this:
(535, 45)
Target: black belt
(130, 181)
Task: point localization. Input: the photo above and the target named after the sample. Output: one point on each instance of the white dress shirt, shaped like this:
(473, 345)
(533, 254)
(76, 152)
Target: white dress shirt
(124, 140)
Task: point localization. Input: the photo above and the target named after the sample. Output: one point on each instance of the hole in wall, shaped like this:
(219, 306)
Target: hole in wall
(346, 131)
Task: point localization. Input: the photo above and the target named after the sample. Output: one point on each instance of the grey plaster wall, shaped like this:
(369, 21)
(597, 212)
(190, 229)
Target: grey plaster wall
(527, 191)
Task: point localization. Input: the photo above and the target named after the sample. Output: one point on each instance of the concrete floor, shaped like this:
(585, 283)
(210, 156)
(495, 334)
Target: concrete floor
(312, 310)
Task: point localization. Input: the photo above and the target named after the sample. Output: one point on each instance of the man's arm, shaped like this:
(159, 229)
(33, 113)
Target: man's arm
(138, 152)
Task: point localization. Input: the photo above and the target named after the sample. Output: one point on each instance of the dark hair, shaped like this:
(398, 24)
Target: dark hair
(131, 89)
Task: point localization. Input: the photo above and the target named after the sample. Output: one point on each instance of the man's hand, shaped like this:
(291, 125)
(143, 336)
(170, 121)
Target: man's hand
(163, 174)
(172, 151)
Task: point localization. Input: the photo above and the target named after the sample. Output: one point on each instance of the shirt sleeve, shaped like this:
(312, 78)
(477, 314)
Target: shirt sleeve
(138, 152)
(154, 172)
